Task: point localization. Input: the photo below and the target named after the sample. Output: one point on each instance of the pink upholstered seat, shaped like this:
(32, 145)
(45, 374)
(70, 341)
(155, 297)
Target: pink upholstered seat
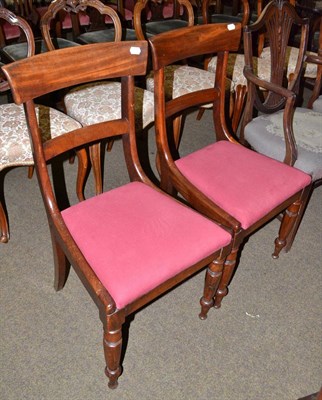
(123, 234)
(257, 184)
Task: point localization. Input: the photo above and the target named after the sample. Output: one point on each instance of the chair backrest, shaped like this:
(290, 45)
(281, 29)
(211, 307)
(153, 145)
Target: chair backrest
(14, 20)
(58, 8)
(153, 17)
(198, 40)
(73, 66)
(276, 23)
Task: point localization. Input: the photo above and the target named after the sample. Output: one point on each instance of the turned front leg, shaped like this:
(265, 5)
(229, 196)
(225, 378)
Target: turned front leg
(286, 228)
(213, 276)
(229, 267)
(112, 342)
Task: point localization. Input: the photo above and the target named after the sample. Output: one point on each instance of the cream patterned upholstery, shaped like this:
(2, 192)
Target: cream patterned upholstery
(310, 69)
(15, 149)
(182, 79)
(235, 68)
(90, 104)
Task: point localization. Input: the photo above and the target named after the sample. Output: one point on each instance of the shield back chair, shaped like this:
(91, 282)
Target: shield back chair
(281, 131)
(132, 243)
(225, 181)
(100, 101)
(262, 65)
(15, 149)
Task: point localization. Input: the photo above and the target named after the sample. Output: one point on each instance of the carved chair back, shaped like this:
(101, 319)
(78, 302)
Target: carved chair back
(74, 7)
(276, 23)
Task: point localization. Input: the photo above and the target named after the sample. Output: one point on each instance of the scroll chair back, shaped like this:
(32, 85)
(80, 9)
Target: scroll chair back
(97, 12)
(15, 149)
(227, 182)
(18, 51)
(123, 244)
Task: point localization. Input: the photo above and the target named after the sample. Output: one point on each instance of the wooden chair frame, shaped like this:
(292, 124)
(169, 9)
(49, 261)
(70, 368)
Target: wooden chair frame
(194, 41)
(62, 68)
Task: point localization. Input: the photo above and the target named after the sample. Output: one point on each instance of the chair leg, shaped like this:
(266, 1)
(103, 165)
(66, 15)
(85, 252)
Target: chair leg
(81, 173)
(95, 155)
(112, 342)
(291, 236)
(289, 221)
(30, 171)
(213, 276)
(229, 268)
(200, 113)
(4, 228)
(62, 266)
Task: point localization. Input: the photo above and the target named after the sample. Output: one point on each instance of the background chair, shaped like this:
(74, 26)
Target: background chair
(237, 86)
(99, 101)
(15, 149)
(224, 180)
(181, 77)
(123, 243)
(281, 131)
(18, 51)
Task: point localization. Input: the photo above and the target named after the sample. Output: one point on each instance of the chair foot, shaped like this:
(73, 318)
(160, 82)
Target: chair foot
(112, 378)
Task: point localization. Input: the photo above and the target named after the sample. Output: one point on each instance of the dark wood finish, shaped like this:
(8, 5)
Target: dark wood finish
(73, 7)
(56, 70)
(276, 21)
(194, 41)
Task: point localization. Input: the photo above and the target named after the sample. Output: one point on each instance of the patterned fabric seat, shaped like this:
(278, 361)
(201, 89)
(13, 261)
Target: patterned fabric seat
(266, 135)
(15, 149)
(90, 104)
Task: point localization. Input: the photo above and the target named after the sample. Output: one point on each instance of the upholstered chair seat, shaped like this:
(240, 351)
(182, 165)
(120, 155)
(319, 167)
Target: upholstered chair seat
(90, 104)
(235, 68)
(18, 51)
(310, 69)
(104, 35)
(241, 199)
(183, 79)
(266, 135)
(15, 149)
(130, 214)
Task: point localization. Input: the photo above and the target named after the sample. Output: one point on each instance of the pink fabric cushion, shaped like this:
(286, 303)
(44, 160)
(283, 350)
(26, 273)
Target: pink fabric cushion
(244, 183)
(136, 238)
